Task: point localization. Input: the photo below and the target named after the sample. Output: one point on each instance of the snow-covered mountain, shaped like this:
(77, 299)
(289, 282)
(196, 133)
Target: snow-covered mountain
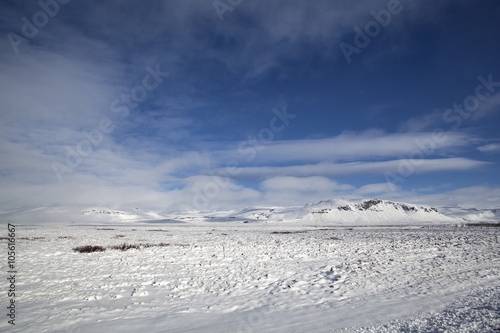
(340, 211)
(334, 211)
(75, 215)
(473, 215)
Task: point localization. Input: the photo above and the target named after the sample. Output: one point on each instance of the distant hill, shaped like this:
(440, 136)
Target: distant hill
(333, 211)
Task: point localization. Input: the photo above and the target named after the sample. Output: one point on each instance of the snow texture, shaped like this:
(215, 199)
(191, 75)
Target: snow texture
(272, 276)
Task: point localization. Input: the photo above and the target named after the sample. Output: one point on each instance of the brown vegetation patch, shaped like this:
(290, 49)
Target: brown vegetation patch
(89, 248)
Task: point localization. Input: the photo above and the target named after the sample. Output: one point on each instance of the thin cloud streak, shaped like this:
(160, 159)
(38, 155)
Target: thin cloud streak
(349, 147)
(358, 168)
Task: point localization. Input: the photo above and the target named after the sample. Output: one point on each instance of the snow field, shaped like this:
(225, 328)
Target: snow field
(222, 277)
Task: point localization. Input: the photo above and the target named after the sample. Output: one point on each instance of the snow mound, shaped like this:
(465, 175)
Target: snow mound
(373, 211)
(75, 215)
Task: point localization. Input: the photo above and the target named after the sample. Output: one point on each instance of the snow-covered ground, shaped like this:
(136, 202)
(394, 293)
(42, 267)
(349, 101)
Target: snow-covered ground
(257, 277)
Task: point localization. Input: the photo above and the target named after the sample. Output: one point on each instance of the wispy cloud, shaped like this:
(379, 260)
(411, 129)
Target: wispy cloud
(304, 184)
(467, 197)
(351, 146)
(490, 148)
(375, 189)
(358, 168)
(224, 79)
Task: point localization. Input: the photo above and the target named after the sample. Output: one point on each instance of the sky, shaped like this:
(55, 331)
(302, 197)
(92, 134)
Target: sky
(179, 105)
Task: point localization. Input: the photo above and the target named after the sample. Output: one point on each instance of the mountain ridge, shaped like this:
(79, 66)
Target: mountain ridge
(337, 211)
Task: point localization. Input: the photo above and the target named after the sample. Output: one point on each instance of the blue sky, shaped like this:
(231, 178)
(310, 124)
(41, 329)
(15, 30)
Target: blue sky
(189, 105)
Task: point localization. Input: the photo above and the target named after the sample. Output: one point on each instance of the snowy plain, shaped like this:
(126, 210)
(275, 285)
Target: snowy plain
(262, 276)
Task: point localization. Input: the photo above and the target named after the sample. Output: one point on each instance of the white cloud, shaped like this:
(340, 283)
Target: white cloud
(287, 191)
(435, 119)
(350, 147)
(379, 188)
(423, 122)
(469, 197)
(305, 184)
(489, 106)
(490, 148)
(354, 168)
(215, 192)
